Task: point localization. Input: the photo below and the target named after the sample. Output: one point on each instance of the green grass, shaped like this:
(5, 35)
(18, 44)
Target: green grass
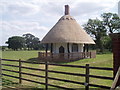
(101, 60)
(24, 55)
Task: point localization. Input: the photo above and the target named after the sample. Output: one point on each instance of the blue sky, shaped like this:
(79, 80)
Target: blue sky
(18, 17)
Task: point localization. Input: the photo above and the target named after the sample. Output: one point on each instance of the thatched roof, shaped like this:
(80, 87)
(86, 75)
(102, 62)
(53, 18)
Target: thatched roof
(67, 30)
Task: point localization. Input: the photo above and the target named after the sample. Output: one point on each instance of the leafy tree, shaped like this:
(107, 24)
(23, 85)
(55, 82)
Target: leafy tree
(95, 28)
(28, 40)
(16, 42)
(107, 43)
(111, 21)
(35, 43)
(32, 42)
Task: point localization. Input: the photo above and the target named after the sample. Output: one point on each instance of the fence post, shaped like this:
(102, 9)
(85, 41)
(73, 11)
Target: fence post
(90, 55)
(87, 77)
(0, 68)
(84, 54)
(46, 75)
(20, 75)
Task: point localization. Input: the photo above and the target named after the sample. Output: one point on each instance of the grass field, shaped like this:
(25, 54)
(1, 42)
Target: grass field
(102, 60)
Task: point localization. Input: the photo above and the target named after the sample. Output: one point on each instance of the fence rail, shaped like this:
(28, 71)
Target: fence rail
(87, 75)
(65, 57)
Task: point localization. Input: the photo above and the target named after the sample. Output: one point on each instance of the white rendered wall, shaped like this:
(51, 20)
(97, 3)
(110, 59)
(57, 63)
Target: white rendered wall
(80, 47)
(56, 47)
(70, 47)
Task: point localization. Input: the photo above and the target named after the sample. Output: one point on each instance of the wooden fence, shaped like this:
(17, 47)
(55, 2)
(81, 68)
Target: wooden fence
(65, 57)
(87, 75)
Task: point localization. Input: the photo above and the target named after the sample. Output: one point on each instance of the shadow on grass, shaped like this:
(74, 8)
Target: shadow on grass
(10, 85)
(36, 60)
(7, 82)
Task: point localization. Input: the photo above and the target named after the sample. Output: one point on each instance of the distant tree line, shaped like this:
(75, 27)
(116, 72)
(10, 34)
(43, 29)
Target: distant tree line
(100, 29)
(26, 42)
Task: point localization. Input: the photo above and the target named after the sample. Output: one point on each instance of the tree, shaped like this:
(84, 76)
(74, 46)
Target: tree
(99, 30)
(107, 43)
(28, 40)
(111, 21)
(95, 28)
(16, 42)
(35, 43)
(3, 48)
(32, 42)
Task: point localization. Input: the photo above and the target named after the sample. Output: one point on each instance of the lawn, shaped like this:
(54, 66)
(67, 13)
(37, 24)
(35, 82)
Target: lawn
(24, 55)
(101, 60)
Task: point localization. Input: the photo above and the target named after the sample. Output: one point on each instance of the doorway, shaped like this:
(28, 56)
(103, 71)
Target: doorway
(61, 52)
(61, 49)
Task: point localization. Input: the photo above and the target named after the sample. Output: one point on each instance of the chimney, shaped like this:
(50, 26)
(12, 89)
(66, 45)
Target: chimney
(67, 10)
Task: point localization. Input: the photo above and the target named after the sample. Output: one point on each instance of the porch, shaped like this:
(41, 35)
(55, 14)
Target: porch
(65, 57)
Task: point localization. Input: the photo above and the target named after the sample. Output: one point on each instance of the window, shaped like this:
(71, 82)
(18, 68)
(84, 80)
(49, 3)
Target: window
(74, 47)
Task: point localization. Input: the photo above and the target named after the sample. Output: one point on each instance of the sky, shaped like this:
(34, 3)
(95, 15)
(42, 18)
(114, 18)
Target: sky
(18, 17)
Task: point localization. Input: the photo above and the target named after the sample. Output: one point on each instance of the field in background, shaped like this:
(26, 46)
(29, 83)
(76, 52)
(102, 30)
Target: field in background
(24, 55)
(102, 60)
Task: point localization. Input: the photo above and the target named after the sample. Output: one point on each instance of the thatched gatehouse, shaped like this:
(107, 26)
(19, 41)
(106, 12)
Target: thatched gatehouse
(67, 40)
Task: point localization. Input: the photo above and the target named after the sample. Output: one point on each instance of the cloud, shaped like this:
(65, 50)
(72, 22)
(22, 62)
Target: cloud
(52, 9)
(2, 8)
(20, 8)
(83, 8)
(86, 9)
(38, 16)
(18, 28)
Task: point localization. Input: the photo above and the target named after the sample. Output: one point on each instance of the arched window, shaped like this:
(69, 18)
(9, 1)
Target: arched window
(61, 49)
(74, 47)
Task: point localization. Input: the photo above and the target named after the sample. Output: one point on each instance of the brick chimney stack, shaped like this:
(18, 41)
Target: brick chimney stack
(67, 10)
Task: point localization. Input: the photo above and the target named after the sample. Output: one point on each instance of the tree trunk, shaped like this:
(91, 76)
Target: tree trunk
(99, 44)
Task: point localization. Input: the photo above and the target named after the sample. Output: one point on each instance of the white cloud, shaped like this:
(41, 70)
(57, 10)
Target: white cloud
(94, 7)
(20, 8)
(2, 8)
(18, 28)
(38, 16)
